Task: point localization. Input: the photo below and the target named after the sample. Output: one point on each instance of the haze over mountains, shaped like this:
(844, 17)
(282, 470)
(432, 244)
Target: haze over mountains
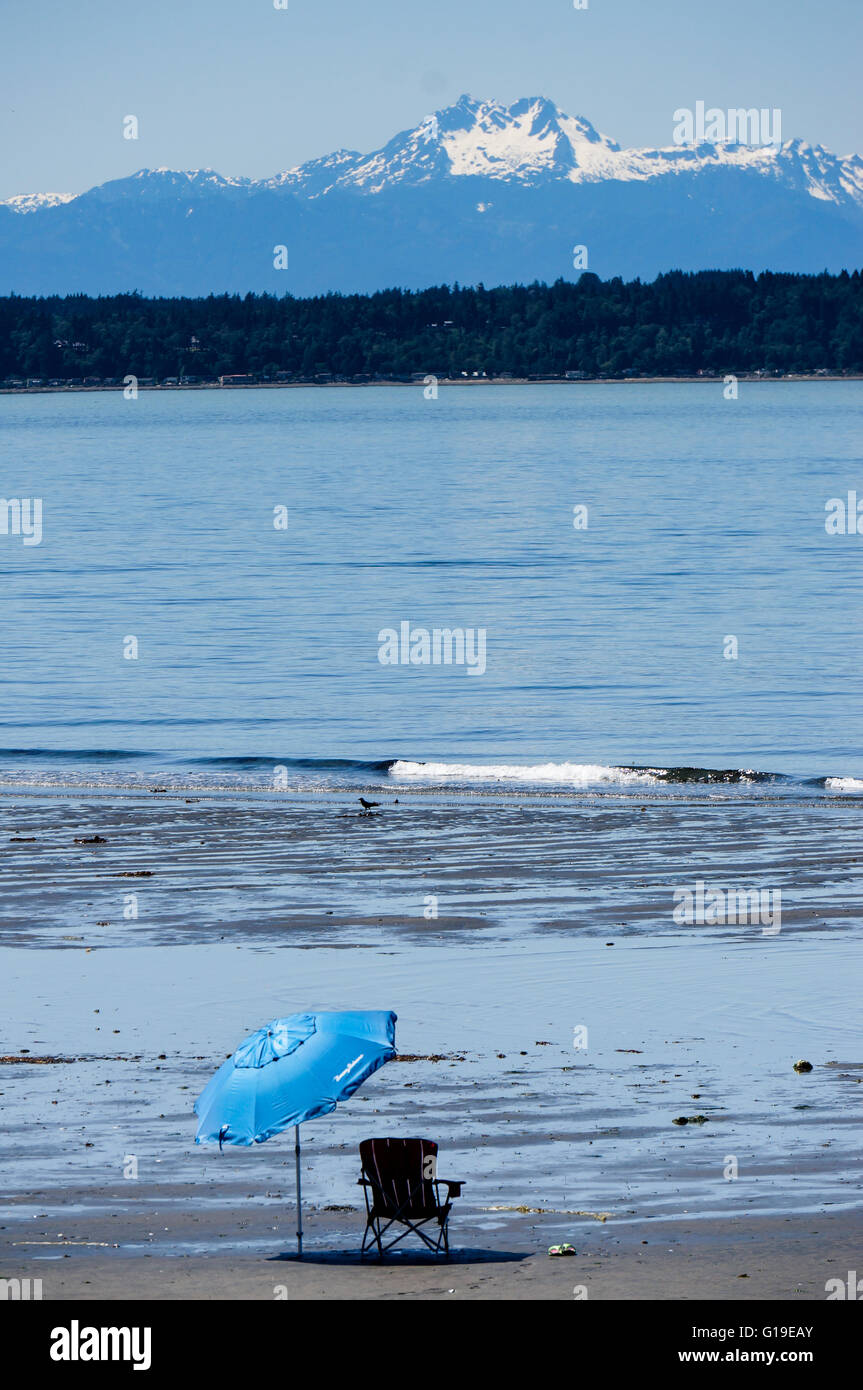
(478, 192)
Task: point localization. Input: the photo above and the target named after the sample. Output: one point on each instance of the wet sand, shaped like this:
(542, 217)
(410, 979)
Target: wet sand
(553, 916)
(315, 870)
(767, 1258)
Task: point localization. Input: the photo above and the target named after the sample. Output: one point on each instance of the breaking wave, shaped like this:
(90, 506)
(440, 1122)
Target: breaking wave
(843, 784)
(572, 774)
(136, 769)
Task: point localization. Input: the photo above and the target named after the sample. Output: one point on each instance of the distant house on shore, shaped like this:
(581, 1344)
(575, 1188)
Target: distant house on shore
(236, 379)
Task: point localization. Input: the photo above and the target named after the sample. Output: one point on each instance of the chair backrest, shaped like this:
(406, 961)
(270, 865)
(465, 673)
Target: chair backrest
(401, 1174)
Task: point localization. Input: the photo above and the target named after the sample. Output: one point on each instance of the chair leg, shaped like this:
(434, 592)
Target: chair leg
(377, 1227)
(367, 1244)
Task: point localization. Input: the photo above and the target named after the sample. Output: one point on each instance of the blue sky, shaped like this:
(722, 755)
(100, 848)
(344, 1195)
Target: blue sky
(247, 89)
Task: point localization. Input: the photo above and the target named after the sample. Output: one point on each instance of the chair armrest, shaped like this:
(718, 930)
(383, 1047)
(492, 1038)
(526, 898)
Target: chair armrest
(363, 1182)
(453, 1188)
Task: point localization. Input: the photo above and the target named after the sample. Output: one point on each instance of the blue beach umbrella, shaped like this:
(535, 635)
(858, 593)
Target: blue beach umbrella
(292, 1070)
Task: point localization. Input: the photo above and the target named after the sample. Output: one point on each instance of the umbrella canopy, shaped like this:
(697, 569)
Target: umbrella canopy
(293, 1069)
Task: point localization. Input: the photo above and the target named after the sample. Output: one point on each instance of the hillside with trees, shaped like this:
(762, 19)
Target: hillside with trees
(680, 324)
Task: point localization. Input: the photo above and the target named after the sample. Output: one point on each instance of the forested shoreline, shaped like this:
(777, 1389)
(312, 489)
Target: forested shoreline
(680, 324)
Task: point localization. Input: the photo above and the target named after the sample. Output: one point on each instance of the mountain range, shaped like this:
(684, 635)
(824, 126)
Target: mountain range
(478, 192)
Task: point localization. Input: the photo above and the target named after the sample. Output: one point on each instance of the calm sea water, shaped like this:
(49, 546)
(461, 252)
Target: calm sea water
(258, 647)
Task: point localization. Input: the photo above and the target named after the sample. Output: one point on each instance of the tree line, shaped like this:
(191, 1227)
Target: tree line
(677, 325)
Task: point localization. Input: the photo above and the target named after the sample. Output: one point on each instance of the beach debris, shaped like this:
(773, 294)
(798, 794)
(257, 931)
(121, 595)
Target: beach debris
(564, 1249)
(802, 1066)
(91, 840)
(35, 1061)
(137, 873)
(690, 1120)
(103, 1244)
(432, 1057)
(56, 1061)
(629, 1049)
(552, 1211)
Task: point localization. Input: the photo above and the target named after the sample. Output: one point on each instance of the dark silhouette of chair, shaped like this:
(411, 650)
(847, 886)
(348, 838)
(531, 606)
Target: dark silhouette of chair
(402, 1189)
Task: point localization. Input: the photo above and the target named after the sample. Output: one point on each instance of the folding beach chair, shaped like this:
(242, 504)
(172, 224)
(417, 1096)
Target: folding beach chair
(402, 1189)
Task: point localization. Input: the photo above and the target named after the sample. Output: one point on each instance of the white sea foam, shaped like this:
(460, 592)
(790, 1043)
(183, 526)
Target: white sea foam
(844, 784)
(563, 774)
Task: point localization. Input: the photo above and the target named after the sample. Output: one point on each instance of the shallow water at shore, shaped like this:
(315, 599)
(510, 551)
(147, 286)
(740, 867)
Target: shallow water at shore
(316, 870)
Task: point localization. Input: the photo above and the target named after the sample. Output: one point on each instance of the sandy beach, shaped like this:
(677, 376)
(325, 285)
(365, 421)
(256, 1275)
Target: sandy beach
(553, 916)
(728, 1261)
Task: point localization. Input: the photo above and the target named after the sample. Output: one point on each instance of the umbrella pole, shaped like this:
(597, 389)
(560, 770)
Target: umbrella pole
(299, 1194)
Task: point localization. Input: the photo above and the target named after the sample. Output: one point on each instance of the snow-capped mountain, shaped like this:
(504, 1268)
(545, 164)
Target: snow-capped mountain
(532, 142)
(479, 190)
(35, 202)
(527, 142)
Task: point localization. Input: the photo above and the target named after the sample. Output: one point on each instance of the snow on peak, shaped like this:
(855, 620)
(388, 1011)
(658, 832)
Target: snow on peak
(34, 202)
(199, 178)
(317, 175)
(528, 141)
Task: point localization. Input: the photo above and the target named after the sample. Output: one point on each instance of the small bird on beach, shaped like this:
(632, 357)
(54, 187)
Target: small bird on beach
(367, 805)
